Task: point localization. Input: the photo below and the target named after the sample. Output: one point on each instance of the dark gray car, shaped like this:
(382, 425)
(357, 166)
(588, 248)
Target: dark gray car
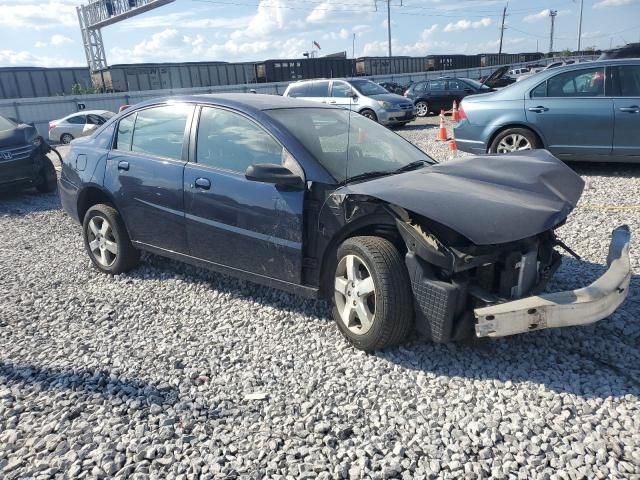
(587, 111)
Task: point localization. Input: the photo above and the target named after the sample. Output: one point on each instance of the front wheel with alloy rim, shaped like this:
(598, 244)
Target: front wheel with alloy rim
(373, 305)
(107, 241)
(514, 140)
(422, 109)
(370, 114)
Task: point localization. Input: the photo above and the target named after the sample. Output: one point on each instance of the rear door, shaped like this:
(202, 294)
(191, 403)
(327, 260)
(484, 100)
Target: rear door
(437, 95)
(145, 174)
(231, 221)
(626, 110)
(573, 114)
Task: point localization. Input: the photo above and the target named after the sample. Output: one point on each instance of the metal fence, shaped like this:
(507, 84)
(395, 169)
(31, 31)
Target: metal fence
(39, 111)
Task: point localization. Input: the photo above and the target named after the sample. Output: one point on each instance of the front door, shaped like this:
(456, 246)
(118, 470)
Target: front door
(626, 109)
(573, 114)
(341, 94)
(145, 170)
(231, 221)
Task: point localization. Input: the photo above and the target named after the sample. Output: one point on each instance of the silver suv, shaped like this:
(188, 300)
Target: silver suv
(360, 95)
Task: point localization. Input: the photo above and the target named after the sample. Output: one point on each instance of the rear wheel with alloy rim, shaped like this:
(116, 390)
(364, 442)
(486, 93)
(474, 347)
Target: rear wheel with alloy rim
(107, 241)
(66, 138)
(514, 140)
(372, 296)
(422, 109)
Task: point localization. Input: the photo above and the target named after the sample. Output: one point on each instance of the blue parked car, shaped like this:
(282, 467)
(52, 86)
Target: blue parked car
(587, 111)
(320, 201)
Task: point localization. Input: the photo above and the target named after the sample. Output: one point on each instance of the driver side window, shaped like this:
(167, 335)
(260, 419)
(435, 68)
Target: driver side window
(229, 141)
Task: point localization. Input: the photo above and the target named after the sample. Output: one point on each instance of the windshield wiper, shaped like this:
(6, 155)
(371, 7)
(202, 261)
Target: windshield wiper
(365, 175)
(411, 166)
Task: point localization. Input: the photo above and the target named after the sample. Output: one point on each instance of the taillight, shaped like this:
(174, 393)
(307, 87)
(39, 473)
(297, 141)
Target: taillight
(52, 125)
(461, 114)
(406, 93)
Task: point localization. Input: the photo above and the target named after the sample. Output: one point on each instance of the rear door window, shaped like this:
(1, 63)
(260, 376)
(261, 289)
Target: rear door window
(319, 89)
(437, 85)
(298, 90)
(577, 83)
(160, 131)
(629, 80)
(77, 120)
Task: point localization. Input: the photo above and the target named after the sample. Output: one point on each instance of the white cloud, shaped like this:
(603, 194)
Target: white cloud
(336, 11)
(612, 3)
(23, 58)
(188, 19)
(536, 17)
(467, 24)
(38, 15)
(56, 40)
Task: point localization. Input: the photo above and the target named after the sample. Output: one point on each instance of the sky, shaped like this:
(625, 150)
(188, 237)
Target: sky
(46, 32)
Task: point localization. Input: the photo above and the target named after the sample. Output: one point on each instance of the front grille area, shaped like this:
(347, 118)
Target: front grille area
(12, 154)
(406, 106)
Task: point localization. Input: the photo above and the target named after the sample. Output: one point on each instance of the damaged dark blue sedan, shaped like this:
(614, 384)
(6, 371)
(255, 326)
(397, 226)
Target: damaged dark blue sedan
(323, 202)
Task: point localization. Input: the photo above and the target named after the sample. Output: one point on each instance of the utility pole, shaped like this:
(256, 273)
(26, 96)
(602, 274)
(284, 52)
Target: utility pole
(353, 46)
(580, 25)
(389, 24)
(504, 14)
(552, 14)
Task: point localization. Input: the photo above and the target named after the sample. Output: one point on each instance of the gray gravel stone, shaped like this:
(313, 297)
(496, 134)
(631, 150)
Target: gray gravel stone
(145, 374)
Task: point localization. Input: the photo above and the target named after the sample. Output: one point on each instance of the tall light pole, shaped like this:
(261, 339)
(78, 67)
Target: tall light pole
(552, 14)
(580, 24)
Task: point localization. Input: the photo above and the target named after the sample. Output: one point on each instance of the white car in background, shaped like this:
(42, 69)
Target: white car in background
(77, 125)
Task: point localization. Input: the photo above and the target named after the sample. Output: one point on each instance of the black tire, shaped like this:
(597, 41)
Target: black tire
(393, 302)
(47, 179)
(370, 114)
(66, 138)
(530, 137)
(126, 257)
(422, 109)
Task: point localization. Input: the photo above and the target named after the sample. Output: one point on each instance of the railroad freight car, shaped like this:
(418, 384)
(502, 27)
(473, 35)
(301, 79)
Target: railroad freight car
(387, 66)
(28, 82)
(451, 62)
(131, 78)
(529, 57)
(286, 70)
(493, 59)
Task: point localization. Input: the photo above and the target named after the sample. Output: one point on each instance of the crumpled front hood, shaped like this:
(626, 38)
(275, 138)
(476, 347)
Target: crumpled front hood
(489, 199)
(17, 136)
(391, 98)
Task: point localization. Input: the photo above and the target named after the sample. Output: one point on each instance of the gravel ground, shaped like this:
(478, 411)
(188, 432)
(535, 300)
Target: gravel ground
(174, 372)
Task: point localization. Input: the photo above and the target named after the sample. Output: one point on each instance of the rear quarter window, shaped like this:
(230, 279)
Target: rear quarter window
(298, 90)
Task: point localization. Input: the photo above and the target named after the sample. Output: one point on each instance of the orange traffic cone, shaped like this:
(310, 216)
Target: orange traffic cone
(453, 146)
(442, 133)
(454, 113)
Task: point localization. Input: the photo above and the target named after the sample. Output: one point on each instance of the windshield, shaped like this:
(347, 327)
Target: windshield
(476, 84)
(333, 135)
(6, 124)
(367, 87)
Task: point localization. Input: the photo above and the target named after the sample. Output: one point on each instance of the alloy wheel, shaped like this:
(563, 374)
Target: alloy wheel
(422, 109)
(355, 295)
(513, 143)
(102, 242)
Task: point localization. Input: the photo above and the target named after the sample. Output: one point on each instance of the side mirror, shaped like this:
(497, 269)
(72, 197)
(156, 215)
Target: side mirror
(273, 173)
(354, 97)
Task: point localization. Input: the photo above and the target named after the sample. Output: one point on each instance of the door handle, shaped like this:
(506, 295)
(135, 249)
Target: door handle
(203, 183)
(122, 165)
(332, 101)
(538, 109)
(631, 109)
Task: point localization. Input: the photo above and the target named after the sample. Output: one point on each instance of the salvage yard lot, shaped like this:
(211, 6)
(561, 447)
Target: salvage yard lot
(171, 371)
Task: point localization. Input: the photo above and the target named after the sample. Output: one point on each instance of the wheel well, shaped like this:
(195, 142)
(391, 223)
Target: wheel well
(383, 229)
(89, 197)
(507, 127)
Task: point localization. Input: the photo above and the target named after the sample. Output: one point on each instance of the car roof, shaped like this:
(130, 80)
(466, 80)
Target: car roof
(247, 102)
(87, 112)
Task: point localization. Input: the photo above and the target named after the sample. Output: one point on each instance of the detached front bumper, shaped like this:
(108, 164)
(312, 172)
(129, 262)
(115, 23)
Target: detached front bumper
(562, 309)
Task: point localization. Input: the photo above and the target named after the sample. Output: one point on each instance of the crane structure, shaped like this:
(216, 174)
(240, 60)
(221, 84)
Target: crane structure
(96, 14)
